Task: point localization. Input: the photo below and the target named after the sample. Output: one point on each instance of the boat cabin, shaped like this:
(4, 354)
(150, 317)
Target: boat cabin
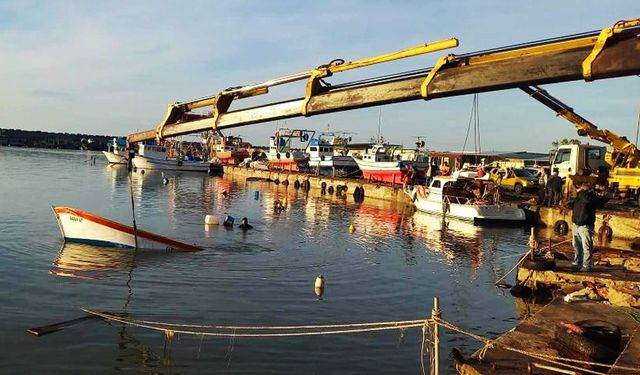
(464, 190)
(379, 153)
(152, 151)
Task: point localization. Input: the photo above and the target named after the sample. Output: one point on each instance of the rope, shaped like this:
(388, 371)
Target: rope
(319, 326)
(544, 357)
(388, 326)
(524, 256)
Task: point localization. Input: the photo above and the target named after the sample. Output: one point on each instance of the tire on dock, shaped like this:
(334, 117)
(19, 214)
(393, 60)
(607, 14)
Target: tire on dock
(539, 264)
(600, 340)
(561, 227)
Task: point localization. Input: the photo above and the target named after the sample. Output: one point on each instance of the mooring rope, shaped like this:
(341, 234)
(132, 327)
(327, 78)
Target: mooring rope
(290, 327)
(544, 357)
(524, 256)
(376, 326)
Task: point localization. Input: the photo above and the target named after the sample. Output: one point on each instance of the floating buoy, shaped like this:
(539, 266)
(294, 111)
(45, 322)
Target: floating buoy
(228, 221)
(211, 220)
(352, 228)
(319, 285)
(165, 180)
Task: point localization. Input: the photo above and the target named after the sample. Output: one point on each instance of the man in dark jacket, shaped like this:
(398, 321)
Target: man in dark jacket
(554, 189)
(584, 218)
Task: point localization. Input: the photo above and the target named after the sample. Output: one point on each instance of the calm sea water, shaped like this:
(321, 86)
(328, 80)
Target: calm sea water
(389, 269)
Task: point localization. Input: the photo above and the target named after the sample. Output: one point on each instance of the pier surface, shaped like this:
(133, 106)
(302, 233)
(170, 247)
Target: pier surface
(536, 335)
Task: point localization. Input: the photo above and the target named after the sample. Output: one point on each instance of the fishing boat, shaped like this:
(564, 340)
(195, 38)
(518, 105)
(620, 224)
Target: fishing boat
(116, 151)
(230, 150)
(474, 200)
(152, 156)
(83, 227)
(282, 155)
(323, 155)
(382, 164)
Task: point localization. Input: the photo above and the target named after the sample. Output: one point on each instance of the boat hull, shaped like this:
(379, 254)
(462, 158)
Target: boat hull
(142, 162)
(386, 171)
(83, 227)
(113, 158)
(477, 213)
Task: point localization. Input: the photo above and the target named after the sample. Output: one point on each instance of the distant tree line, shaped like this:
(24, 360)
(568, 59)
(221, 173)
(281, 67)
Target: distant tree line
(68, 141)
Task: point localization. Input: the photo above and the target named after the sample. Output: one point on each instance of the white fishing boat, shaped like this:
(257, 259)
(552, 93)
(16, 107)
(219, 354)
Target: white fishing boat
(282, 155)
(116, 151)
(83, 227)
(382, 164)
(155, 157)
(466, 199)
(323, 155)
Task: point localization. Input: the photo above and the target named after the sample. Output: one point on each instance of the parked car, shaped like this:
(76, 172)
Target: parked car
(515, 179)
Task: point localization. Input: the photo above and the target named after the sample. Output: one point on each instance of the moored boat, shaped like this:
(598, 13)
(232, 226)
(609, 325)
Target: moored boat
(155, 157)
(116, 151)
(231, 150)
(282, 155)
(83, 227)
(467, 199)
(323, 156)
(380, 164)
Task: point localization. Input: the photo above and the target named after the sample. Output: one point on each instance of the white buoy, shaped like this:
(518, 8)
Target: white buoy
(212, 220)
(319, 285)
(165, 180)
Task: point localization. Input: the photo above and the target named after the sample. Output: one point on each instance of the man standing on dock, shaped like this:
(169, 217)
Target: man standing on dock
(584, 218)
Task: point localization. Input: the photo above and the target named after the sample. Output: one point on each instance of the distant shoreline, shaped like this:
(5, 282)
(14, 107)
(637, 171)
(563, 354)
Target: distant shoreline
(50, 140)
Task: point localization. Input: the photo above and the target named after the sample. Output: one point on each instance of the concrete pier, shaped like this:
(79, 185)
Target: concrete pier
(536, 335)
(382, 191)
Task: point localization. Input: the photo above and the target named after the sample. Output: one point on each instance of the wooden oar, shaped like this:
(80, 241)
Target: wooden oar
(51, 328)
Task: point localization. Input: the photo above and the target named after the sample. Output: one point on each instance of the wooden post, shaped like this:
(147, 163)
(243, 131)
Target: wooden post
(435, 313)
(549, 243)
(333, 171)
(393, 180)
(532, 240)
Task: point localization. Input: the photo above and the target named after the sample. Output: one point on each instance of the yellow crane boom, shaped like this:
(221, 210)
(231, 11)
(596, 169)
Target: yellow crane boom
(628, 155)
(610, 52)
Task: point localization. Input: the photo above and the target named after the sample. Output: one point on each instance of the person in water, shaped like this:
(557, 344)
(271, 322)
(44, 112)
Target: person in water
(244, 224)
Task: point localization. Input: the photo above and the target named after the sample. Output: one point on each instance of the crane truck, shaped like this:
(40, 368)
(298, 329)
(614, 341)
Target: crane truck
(618, 169)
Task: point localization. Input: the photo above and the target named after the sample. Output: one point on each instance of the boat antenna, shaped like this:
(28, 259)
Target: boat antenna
(379, 124)
(133, 208)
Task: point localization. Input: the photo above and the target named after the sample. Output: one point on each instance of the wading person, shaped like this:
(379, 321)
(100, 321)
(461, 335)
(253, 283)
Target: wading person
(584, 218)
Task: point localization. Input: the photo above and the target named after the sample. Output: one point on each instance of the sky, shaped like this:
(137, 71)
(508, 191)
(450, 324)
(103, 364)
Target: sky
(113, 67)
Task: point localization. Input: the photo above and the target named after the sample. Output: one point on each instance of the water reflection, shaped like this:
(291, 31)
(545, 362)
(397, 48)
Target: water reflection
(89, 262)
(453, 238)
(82, 261)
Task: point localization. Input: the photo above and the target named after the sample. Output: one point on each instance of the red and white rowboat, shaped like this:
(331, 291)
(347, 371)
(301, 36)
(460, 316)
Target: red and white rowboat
(83, 227)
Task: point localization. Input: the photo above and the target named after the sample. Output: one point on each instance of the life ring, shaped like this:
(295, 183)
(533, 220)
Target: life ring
(322, 157)
(285, 182)
(296, 184)
(330, 190)
(288, 155)
(278, 155)
(276, 181)
(323, 185)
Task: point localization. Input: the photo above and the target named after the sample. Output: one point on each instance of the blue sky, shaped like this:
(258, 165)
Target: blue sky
(112, 67)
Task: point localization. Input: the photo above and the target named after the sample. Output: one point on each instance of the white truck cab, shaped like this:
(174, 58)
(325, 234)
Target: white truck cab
(581, 160)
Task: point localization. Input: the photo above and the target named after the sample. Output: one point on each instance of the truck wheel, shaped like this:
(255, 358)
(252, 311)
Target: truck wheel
(518, 189)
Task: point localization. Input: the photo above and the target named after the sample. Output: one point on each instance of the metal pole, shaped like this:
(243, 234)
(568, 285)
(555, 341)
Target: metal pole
(435, 313)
